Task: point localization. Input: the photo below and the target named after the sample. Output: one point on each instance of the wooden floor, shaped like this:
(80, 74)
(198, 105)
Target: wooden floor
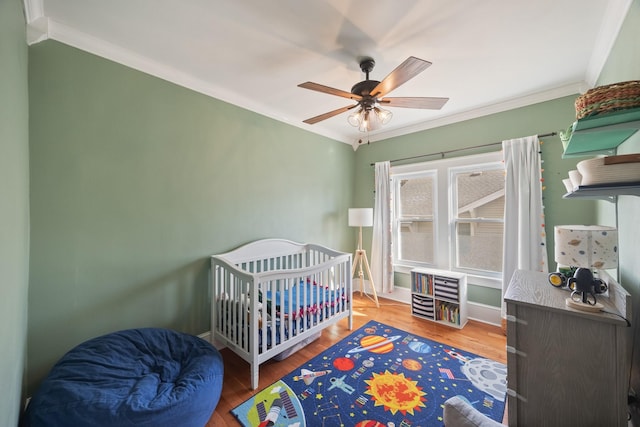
(477, 337)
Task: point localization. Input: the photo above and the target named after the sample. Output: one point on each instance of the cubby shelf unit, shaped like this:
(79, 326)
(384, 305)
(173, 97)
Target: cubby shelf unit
(439, 296)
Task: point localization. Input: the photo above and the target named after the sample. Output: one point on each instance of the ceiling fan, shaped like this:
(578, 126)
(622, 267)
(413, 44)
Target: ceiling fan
(369, 95)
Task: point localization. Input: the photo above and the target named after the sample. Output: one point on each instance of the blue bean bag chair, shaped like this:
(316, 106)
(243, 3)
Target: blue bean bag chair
(137, 377)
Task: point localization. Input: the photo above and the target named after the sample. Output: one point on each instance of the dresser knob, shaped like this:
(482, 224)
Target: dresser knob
(513, 393)
(512, 318)
(513, 350)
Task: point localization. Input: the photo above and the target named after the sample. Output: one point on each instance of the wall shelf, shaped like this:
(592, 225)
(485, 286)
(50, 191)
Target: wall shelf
(604, 191)
(602, 134)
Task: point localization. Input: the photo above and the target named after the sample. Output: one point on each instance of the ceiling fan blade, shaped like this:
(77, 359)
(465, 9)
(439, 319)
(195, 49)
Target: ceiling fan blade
(329, 90)
(330, 114)
(410, 68)
(414, 102)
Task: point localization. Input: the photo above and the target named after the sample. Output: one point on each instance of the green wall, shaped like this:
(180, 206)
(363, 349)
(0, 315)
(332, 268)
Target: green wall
(540, 118)
(135, 182)
(624, 64)
(14, 207)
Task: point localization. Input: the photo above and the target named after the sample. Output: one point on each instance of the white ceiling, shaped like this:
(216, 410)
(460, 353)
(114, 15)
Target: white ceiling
(487, 55)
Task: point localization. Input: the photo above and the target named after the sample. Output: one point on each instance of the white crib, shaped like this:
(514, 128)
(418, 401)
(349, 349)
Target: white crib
(273, 294)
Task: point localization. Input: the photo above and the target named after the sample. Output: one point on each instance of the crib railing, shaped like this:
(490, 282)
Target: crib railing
(265, 304)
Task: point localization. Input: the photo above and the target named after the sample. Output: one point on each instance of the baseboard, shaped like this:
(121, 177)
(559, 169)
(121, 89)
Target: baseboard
(205, 336)
(484, 313)
(475, 311)
(398, 294)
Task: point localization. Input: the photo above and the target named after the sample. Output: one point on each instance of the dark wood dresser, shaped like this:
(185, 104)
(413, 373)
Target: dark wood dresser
(565, 367)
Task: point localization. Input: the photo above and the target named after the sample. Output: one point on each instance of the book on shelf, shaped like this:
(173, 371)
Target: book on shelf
(422, 283)
(448, 312)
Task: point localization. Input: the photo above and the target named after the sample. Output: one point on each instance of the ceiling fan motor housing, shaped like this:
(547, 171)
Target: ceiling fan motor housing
(364, 89)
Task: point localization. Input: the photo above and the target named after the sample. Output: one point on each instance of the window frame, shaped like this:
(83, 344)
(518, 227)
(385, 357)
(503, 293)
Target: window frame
(454, 220)
(443, 259)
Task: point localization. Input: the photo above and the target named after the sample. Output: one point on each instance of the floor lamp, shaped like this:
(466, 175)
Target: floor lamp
(362, 217)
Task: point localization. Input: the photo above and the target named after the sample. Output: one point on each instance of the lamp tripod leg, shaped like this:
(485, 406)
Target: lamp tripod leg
(357, 264)
(373, 286)
(360, 258)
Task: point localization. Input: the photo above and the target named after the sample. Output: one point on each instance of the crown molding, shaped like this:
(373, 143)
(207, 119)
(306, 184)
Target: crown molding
(40, 27)
(37, 31)
(33, 10)
(37, 22)
(523, 101)
(69, 36)
(611, 24)
(96, 46)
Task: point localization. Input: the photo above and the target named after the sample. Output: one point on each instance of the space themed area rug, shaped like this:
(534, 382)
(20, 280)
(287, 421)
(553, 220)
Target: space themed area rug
(378, 376)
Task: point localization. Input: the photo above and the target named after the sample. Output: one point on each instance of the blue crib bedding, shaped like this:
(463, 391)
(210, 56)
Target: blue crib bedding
(320, 302)
(318, 297)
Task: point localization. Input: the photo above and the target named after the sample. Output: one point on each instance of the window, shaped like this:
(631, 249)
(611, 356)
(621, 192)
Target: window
(449, 214)
(415, 217)
(477, 219)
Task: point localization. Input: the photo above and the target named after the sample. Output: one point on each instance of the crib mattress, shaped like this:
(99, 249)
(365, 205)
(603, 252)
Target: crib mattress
(317, 298)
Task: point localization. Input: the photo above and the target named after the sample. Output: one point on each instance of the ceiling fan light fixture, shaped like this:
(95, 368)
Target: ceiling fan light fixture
(365, 124)
(384, 115)
(355, 118)
(369, 119)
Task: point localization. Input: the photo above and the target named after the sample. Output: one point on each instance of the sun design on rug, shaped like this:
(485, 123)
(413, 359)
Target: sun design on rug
(395, 392)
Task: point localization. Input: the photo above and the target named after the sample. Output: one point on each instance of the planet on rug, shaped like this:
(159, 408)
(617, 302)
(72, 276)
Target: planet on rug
(375, 344)
(378, 376)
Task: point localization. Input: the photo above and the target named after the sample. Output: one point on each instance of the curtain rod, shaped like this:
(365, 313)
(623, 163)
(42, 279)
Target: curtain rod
(442, 153)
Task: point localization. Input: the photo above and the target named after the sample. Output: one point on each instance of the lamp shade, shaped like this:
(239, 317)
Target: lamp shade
(360, 217)
(587, 246)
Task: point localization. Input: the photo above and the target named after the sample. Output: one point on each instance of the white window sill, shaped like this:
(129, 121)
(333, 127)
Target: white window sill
(472, 279)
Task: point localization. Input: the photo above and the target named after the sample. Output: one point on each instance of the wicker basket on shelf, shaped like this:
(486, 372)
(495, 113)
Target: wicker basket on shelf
(608, 98)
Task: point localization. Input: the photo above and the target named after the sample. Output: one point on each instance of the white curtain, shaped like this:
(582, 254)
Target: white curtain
(525, 243)
(381, 259)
